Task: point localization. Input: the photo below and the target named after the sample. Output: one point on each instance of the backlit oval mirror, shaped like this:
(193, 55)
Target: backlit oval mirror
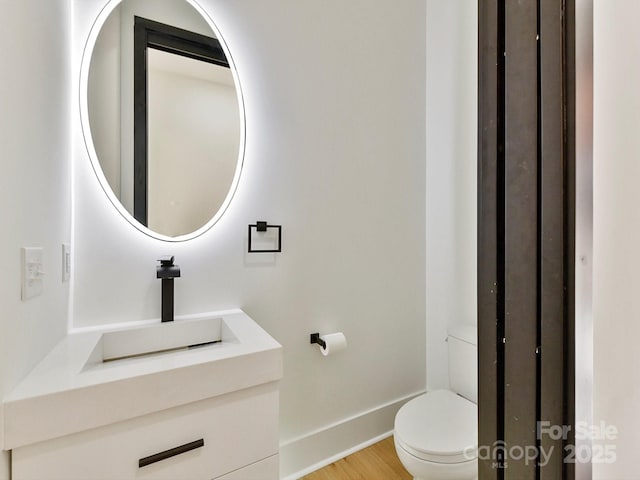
(162, 115)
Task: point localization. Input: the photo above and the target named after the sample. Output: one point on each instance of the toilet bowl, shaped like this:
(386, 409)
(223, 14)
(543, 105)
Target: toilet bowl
(435, 436)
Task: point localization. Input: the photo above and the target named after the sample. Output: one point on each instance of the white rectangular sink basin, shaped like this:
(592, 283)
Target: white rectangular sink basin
(159, 338)
(97, 377)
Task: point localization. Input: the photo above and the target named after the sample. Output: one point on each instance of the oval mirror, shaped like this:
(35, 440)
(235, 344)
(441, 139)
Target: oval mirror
(162, 115)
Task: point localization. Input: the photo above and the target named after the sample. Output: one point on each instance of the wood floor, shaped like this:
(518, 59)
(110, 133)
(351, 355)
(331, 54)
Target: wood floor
(377, 462)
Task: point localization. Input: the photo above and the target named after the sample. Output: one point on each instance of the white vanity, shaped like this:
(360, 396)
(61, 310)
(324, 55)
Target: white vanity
(193, 399)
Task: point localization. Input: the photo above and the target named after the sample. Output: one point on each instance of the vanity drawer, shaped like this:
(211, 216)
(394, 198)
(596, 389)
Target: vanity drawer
(235, 430)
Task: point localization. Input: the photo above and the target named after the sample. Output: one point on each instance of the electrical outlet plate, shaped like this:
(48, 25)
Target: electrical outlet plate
(32, 272)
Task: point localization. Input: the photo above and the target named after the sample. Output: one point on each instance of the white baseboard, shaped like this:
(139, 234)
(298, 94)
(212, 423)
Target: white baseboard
(307, 453)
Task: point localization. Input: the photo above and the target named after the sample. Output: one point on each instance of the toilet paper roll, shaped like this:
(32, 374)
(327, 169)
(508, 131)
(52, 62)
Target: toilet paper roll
(335, 342)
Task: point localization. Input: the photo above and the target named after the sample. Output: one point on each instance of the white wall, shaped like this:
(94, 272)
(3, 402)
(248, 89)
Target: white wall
(35, 182)
(616, 283)
(334, 95)
(451, 176)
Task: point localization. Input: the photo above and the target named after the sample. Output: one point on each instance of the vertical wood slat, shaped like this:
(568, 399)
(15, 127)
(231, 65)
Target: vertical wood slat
(487, 233)
(521, 242)
(552, 233)
(525, 230)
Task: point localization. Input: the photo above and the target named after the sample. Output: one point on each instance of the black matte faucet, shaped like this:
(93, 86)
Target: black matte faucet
(167, 271)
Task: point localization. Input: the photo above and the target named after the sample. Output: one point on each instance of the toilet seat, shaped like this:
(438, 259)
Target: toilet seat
(439, 427)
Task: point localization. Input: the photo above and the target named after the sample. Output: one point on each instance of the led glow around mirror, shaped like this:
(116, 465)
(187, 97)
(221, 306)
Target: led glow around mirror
(194, 119)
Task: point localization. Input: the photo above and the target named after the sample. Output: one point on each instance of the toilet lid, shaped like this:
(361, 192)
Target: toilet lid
(439, 426)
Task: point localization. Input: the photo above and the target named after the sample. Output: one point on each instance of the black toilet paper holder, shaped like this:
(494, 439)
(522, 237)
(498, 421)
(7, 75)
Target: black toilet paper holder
(315, 338)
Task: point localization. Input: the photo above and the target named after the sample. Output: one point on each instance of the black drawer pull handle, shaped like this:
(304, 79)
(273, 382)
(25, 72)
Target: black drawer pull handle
(172, 452)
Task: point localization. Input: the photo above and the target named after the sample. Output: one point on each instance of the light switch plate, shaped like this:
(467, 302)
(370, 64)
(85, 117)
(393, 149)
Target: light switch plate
(32, 272)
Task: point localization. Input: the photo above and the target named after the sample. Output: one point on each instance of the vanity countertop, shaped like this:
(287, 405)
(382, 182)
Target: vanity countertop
(67, 393)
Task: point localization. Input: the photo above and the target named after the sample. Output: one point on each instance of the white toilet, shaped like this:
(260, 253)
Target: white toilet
(436, 434)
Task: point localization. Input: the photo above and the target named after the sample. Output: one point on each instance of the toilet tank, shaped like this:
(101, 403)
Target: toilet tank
(463, 361)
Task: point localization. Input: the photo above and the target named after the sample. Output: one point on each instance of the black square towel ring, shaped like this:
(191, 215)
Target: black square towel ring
(263, 227)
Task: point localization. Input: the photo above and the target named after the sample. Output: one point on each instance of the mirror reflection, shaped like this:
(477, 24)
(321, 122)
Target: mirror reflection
(164, 114)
